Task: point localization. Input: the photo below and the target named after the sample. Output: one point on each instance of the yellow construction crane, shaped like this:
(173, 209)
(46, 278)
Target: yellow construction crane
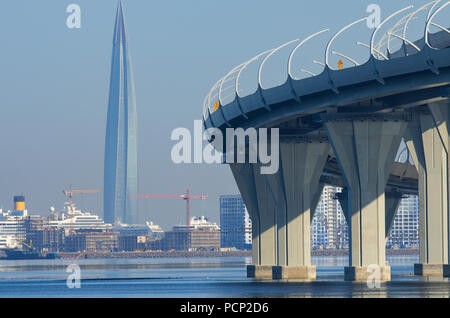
(30, 246)
(70, 193)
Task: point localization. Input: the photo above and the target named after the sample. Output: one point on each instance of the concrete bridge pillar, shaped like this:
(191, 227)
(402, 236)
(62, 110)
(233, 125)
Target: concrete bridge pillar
(441, 115)
(343, 201)
(281, 207)
(298, 186)
(365, 151)
(261, 209)
(392, 200)
(427, 140)
(315, 199)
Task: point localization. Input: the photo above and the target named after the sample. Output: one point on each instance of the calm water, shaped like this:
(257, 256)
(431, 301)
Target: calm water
(202, 277)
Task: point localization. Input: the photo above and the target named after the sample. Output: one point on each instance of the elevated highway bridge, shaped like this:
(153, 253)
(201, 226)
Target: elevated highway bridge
(343, 127)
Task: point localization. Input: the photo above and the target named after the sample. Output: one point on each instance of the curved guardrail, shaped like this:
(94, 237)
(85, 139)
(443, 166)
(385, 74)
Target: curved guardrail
(226, 91)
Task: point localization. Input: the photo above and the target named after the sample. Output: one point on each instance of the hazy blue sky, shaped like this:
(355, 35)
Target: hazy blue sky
(54, 85)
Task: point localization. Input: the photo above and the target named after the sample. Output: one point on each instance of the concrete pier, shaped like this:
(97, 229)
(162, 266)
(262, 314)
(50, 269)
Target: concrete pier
(281, 207)
(259, 271)
(262, 213)
(363, 273)
(427, 140)
(365, 151)
(299, 187)
(294, 272)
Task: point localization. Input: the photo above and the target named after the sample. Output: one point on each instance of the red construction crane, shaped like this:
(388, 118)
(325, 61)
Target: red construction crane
(187, 197)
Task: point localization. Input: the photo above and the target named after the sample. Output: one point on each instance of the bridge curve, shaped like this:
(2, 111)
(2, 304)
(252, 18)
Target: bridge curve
(327, 121)
(422, 76)
(305, 96)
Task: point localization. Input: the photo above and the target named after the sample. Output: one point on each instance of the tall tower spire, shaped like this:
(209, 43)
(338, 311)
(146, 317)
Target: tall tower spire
(120, 170)
(120, 31)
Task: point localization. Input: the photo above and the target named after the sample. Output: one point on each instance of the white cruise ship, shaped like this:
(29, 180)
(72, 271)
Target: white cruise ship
(149, 228)
(73, 219)
(12, 229)
(198, 223)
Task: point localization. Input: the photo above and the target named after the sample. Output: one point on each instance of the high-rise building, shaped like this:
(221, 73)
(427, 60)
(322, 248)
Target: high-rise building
(405, 229)
(120, 170)
(329, 228)
(235, 223)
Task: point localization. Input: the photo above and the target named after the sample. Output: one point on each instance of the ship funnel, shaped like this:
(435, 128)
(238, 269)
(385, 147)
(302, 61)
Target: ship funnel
(19, 203)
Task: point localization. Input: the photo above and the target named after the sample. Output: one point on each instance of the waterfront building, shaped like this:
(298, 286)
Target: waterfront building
(199, 235)
(120, 166)
(173, 240)
(235, 223)
(47, 239)
(128, 243)
(204, 240)
(405, 228)
(137, 236)
(50, 234)
(91, 241)
(328, 227)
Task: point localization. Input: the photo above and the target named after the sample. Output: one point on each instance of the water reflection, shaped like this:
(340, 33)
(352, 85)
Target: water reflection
(204, 277)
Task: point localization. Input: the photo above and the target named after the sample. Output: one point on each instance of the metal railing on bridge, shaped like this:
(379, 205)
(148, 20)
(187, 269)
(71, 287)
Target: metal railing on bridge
(227, 89)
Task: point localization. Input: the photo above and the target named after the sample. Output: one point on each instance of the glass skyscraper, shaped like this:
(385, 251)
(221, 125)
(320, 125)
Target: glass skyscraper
(405, 229)
(328, 227)
(120, 174)
(235, 223)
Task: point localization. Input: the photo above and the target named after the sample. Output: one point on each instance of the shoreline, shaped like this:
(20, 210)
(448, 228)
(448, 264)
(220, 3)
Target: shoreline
(345, 252)
(183, 254)
(153, 254)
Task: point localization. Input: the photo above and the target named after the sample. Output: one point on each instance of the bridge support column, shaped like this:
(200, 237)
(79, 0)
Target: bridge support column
(365, 151)
(297, 189)
(315, 199)
(262, 213)
(428, 143)
(280, 206)
(441, 116)
(392, 200)
(343, 201)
